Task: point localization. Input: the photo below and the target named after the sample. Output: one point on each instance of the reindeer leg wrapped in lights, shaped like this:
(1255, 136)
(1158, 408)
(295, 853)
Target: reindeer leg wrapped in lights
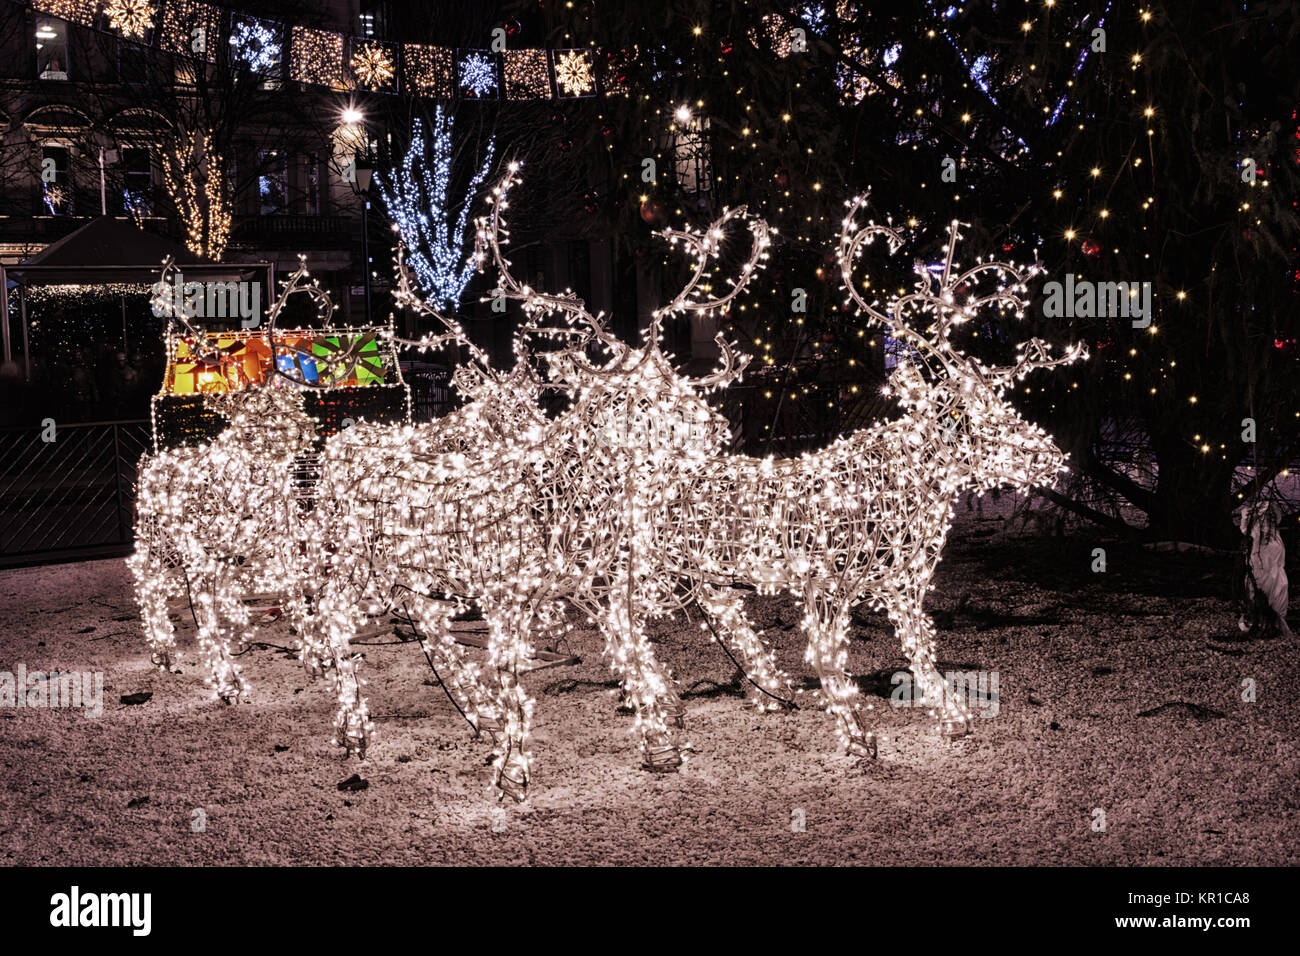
(158, 576)
(455, 670)
(767, 686)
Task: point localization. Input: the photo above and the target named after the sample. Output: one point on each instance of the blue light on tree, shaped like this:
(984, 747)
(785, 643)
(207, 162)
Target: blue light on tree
(416, 199)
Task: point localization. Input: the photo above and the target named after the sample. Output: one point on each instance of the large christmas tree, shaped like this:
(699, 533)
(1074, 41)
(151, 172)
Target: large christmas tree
(1116, 142)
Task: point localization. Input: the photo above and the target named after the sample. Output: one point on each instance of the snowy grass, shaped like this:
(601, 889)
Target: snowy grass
(1079, 657)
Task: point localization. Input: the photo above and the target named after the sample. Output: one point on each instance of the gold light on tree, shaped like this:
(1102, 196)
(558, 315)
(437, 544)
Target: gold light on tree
(195, 177)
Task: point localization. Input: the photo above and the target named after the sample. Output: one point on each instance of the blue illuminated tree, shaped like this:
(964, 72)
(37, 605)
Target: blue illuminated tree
(432, 226)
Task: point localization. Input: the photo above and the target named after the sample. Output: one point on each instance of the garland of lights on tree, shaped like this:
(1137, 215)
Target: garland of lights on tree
(416, 200)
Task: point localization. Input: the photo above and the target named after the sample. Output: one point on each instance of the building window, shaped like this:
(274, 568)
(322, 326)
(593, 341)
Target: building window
(137, 182)
(51, 49)
(135, 64)
(372, 18)
(311, 182)
(272, 185)
(692, 163)
(56, 180)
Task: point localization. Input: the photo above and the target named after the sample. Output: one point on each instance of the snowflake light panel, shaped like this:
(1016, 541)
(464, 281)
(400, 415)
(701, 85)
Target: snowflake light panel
(256, 44)
(574, 74)
(374, 65)
(478, 74)
(132, 19)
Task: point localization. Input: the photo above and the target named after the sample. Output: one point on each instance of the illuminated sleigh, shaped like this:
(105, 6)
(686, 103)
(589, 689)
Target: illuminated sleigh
(221, 504)
(345, 373)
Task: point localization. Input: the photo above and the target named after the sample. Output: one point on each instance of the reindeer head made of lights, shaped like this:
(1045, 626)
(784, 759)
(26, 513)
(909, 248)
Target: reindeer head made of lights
(989, 442)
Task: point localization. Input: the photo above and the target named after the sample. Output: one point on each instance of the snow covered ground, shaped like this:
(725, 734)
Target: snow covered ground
(1204, 777)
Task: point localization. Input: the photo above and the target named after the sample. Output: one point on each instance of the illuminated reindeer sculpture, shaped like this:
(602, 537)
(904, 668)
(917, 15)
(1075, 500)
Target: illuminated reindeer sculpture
(866, 518)
(655, 426)
(219, 523)
(517, 514)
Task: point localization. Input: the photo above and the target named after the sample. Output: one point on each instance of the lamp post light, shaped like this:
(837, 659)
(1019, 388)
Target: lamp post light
(365, 170)
(357, 174)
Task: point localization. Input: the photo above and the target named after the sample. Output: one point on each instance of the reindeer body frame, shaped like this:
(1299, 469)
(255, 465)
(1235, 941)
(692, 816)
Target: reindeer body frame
(218, 522)
(226, 520)
(865, 519)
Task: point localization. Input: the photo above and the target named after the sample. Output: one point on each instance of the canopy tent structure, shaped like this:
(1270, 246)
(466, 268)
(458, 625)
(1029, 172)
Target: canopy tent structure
(110, 250)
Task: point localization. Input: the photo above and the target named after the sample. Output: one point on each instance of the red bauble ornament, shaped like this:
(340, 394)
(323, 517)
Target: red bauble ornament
(654, 213)
(1090, 248)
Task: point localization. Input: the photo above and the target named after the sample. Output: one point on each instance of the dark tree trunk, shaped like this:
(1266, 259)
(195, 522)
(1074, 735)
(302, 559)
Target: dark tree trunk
(1189, 496)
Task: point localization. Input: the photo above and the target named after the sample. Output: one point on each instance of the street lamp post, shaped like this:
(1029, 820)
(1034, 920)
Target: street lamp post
(364, 171)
